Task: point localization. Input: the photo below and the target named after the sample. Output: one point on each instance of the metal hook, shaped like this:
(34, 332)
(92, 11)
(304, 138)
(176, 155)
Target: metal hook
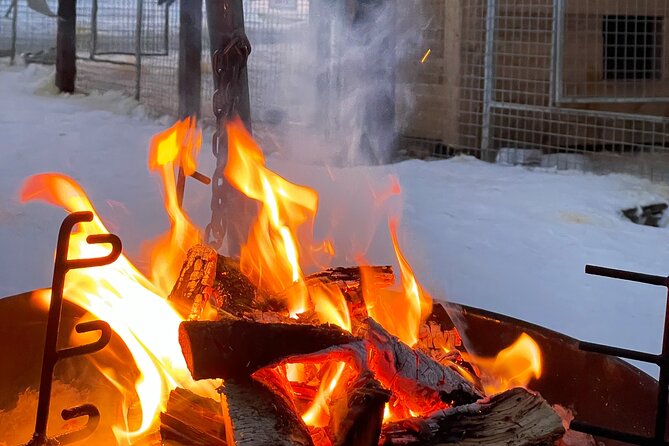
(75, 412)
(51, 353)
(85, 327)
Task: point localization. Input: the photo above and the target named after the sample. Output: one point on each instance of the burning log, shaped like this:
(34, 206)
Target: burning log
(192, 420)
(195, 284)
(357, 415)
(257, 415)
(349, 278)
(237, 348)
(515, 417)
(420, 383)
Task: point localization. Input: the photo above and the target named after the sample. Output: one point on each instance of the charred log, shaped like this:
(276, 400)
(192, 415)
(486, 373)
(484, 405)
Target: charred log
(193, 288)
(418, 381)
(237, 348)
(350, 278)
(237, 295)
(515, 417)
(357, 415)
(256, 415)
(439, 339)
(192, 420)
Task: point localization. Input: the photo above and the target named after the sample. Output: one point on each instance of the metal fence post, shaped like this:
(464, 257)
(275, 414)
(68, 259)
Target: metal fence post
(94, 29)
(138, 48)
(190, 57)
(66, 51)
(15, 15)
(488, 78)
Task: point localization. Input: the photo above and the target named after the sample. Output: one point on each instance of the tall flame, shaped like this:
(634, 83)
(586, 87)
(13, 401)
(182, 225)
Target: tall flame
(403, 313)
(271, 256)
(118, 293)
(176, 146)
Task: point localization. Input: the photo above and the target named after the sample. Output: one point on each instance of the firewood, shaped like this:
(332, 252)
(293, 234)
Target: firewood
(439, 339)
(256, 415)
(237, 348)
(237, 293)
(349, 278)
(195, 284)
(515, 417)
(357, 415)
(419, 382)
(192, 420)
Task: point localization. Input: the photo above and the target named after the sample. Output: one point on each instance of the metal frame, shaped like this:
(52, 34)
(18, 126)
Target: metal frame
(52, 354)
(662, 360)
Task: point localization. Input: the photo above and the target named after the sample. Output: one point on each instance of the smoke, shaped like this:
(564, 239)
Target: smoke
(337, 98)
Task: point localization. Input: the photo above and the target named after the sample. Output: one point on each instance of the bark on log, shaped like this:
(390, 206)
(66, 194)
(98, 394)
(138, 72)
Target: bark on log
(255, 415)
(419, 382)
(194, 287)
(192, 420)
(515, 417)
(357, 415)
(237, 348)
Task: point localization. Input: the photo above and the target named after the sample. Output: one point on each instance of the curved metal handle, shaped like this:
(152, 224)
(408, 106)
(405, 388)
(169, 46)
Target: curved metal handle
(85, 327)
(96, 239)
(75, 412)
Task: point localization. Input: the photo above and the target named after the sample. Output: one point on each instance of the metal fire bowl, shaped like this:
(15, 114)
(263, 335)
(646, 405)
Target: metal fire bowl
(600, 390)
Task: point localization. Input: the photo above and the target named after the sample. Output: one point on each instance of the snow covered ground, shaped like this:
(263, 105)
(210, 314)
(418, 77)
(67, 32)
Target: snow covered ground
(507, 239)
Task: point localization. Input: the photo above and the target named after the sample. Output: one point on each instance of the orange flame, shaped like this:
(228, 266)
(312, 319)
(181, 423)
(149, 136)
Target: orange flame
(402, 314)
(271, 256)
(515, 366)
(330, 305)
(119, 294)
(176, 146)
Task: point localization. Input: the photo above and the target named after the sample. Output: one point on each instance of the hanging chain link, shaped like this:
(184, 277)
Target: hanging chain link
(228, 64)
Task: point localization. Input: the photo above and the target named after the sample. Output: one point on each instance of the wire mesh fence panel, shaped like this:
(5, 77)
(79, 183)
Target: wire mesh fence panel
(566, 84)
(7, 27)
(614, 51)
(115, 24)
(473, 42)
(159, 72)
(35, 31)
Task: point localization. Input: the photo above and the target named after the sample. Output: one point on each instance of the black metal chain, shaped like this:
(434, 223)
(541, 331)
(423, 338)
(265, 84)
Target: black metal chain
(228, 64)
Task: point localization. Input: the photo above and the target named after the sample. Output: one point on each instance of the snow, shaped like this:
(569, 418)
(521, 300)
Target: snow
(509, 239)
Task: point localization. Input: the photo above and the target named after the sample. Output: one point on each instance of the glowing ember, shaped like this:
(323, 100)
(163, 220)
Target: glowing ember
(426, 55)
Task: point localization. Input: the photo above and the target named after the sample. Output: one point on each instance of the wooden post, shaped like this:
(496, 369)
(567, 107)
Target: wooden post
(66, 46)
(190, 57)
(190, 69)
(225, 18)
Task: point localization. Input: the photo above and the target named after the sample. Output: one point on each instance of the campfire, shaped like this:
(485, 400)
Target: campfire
(253, 350)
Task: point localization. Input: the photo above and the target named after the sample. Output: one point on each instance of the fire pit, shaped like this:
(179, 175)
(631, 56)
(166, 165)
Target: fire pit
(601, 390)
(338, 357)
